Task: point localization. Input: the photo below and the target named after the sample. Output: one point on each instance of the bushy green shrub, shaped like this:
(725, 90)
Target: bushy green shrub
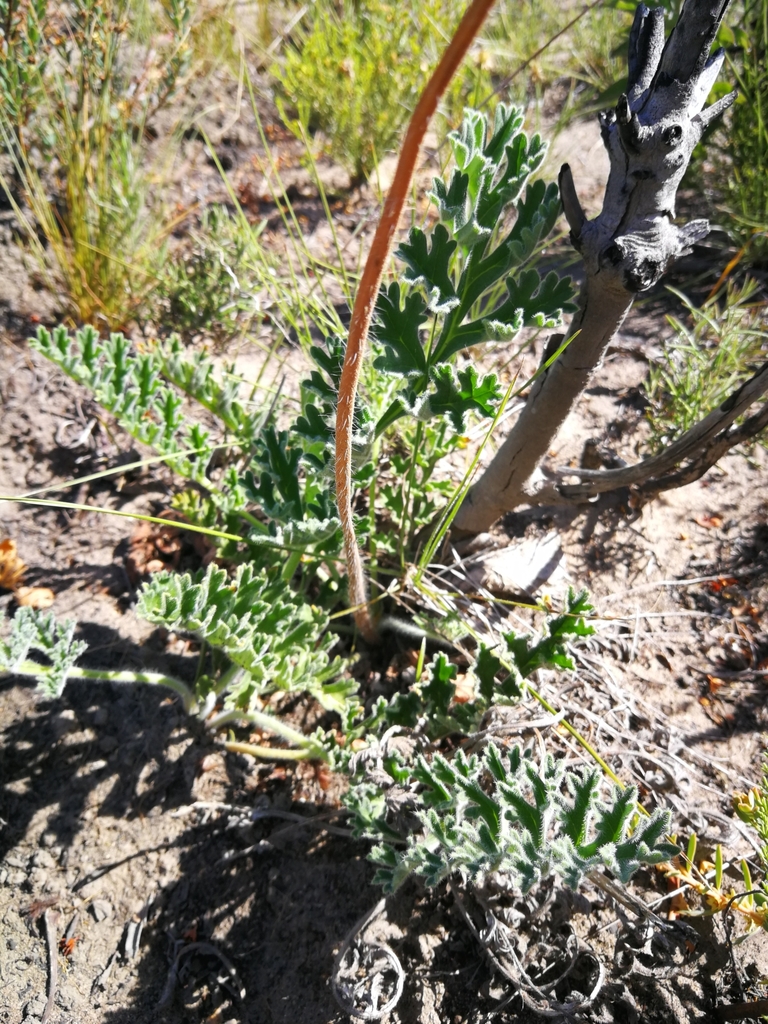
(355, 71)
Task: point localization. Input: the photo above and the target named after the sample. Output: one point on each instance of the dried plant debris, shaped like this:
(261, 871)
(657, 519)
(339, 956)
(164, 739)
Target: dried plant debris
(154, 548)
(12, 570)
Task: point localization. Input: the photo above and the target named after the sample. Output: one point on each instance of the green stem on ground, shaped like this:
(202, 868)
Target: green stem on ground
(270, 753)
(309, 747)
(35, 670)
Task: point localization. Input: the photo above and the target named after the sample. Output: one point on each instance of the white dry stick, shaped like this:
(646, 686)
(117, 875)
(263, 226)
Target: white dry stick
(626, 249)
(50, 920)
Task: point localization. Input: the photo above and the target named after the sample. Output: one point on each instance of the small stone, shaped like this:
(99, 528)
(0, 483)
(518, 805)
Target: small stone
(35, 1007)
(108, 744)
(38, 877)
(100, 717)
(11, 943)
(42, 859)
(13, 860)
(3, 876)
(101, 910)
(522, 568)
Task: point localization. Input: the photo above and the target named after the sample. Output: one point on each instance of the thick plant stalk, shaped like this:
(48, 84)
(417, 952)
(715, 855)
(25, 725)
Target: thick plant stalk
(649, 137)
(365, 299)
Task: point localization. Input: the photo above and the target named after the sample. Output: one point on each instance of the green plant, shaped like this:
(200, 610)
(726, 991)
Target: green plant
(145, 390)
(497, 676)
(259, 631)
(205, 289)
(490, 814)
(78, 103)
(743, 164)
(705, 360)
(356, 72)
(466, 283)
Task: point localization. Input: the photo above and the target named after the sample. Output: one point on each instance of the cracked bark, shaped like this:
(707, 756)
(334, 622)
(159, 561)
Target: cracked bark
(626, 249)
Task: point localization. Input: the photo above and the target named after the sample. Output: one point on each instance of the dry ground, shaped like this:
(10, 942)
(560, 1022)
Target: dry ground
(120, 812)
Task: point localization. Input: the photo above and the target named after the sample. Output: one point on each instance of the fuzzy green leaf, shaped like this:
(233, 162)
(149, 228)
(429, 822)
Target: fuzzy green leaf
(457, 394)
(428, 265)
(32, 631)
(397, 327)
(259, 624)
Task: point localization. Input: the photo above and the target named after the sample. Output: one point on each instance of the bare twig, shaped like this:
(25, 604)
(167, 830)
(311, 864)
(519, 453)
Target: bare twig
(358, 987)
(705, 443)
(495, 941)
(752, 1011)
(50, 920)
(207, 949)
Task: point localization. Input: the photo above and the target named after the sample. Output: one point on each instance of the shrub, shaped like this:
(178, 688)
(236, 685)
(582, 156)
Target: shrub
(356, 73)
(71, 102)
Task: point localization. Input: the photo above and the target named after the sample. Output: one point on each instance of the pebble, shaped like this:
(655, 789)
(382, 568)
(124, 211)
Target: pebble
(107, 744)
(42, 859)
(38, 877)
(65, 722)
(34, 1007)
(101, 910)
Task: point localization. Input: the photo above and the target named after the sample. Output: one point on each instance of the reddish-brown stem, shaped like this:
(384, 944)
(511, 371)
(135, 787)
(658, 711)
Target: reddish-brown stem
(366, 299)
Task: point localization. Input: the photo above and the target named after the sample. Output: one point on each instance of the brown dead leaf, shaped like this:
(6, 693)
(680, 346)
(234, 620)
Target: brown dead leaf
(11, 566)
(708, 522)
(465, 690)
(714, 683)
(153, 548)
(677, 905)
(35, 597)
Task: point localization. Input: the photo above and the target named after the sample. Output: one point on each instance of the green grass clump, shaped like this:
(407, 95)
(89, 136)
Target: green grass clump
(706, 359)
(205, 289)
(75, 100)
(745, 174)
(356, 73)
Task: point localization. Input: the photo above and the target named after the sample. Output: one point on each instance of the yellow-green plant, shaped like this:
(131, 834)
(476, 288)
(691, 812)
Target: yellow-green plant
(356, 72)
(709, 880)
(744, 169)
(76, 135)
(708, 356)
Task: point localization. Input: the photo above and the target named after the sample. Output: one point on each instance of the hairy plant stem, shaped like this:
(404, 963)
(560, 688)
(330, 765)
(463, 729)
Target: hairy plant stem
(263, 721)
(36, 670)
(366, 298)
